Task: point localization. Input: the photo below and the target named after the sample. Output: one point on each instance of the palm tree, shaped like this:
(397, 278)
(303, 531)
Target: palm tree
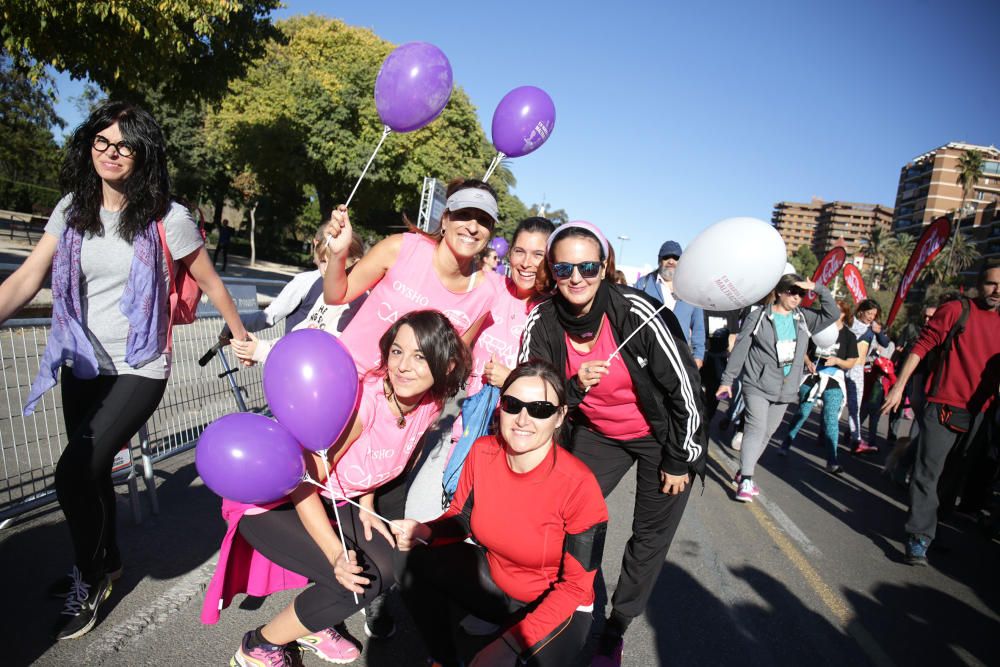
(897, 250)
(963, 255)
(877, 239)
(970, 170)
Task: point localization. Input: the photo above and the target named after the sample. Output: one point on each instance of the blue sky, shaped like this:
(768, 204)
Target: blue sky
(671, 116)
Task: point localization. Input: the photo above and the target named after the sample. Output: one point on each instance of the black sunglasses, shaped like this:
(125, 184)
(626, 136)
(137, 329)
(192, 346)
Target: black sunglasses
(563, 270)
(536, 409)
(796, 291)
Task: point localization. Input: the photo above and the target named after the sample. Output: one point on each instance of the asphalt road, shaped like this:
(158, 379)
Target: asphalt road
(811, 573)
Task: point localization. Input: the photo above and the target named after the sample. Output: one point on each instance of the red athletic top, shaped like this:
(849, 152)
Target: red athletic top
(611, 406)
(970, 373)
(536, 528)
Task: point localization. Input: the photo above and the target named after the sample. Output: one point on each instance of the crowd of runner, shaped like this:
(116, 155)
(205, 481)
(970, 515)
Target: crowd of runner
(590, 378)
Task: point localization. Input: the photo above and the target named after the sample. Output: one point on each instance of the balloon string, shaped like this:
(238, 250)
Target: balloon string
(385, 133)
(361, 507)
(336, 513)
(493, 165)
(629, 337)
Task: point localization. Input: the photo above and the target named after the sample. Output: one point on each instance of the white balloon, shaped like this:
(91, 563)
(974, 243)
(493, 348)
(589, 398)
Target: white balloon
(789, 269)
(827, 336)
(731, 264)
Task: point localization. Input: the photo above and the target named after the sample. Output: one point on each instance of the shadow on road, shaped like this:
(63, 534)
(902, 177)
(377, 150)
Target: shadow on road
(186, 533)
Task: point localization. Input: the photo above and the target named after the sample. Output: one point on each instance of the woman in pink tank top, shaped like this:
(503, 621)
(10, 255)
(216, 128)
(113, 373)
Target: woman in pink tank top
(423, 362)
(415, 270)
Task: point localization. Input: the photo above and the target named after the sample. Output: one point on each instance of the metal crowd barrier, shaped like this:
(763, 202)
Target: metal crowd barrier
(195, 396)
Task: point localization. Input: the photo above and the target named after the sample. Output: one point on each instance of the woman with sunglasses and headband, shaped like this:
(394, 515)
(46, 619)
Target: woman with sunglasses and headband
(632, 390)
(533, 576)
(110, 339)
(768, 357)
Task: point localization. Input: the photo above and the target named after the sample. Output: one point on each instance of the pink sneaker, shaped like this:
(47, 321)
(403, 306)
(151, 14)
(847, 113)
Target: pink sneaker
(864, 448)
(330, 646)
(262, 655)
(746, 491)
(739, 478)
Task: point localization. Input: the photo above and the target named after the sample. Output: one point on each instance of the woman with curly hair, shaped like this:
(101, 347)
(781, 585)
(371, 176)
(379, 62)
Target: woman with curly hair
(110, 338)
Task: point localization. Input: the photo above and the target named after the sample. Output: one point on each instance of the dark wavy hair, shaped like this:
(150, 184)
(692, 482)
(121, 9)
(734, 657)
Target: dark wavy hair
(447, 355)
(147, 189)
(550, 375)
(536, 225)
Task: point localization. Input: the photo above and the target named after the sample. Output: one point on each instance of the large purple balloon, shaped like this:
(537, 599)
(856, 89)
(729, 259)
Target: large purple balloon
(249, 458)
(311, 385)
(523, 121)
(500, 244)
(413, 86)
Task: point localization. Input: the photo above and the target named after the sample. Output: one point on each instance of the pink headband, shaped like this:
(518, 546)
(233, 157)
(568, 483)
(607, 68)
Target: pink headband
(581, 224)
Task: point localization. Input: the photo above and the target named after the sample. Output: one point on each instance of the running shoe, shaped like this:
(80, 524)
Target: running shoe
(739, 478)
(746, 493)
(379, 623)
(864, 448)
(834, 469)
(916, 550)
(329, 645)
(261, 655)
(79, 614)
(737, 442)
(610, 649)
(62, 587)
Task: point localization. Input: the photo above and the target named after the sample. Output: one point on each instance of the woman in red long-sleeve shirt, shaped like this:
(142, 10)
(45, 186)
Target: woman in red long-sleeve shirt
(539, 518)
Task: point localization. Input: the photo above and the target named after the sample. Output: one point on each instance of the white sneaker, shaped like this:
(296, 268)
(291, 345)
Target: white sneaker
(737, 441)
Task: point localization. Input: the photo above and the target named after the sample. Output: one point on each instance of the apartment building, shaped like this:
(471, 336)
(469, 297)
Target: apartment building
(825, 225)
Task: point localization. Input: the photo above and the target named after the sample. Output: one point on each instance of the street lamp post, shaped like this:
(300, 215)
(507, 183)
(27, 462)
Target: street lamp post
(621, 246)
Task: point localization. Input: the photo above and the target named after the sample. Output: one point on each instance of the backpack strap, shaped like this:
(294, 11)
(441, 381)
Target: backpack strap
(956, 330)
(172, 295)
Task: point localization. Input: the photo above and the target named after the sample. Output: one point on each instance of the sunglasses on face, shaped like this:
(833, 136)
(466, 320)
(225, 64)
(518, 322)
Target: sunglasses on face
(536, 409)
(796, 291)
(563, 270)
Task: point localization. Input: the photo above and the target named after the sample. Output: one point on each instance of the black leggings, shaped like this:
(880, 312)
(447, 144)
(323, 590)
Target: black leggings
(280, 536)
(101, 415)
(437, 580)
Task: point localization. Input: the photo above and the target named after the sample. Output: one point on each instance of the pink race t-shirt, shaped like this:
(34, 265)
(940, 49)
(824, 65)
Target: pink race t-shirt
(611, 406)
(382, 450)
(501, 332)
(412, 284)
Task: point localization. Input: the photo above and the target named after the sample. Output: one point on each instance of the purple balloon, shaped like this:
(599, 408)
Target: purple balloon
(311, 385)
(249, 458)
(500, 244)
(523, 121)
(413, 86)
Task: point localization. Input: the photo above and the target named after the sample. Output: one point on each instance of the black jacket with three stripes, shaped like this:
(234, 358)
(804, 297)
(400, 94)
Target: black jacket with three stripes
(659, 361)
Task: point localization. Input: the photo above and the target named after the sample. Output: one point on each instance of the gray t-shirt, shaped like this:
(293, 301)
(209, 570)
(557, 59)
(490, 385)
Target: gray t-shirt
(105, 262)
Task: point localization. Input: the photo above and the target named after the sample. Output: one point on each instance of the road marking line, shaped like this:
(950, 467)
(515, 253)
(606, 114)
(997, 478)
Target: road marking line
(833, 601)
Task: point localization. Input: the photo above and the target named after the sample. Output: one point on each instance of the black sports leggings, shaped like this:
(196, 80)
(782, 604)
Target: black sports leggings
(437, 580)
(280, 536)
(101, 415)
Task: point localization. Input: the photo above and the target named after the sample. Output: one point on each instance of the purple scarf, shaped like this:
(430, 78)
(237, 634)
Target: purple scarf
(144, 303)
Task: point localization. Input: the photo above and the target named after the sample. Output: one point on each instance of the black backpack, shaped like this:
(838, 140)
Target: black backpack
(940, 354)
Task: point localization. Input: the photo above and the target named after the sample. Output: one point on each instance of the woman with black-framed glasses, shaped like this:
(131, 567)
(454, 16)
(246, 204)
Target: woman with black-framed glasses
(768, 356)
(633, 393)
(108, 243)
(534, 576)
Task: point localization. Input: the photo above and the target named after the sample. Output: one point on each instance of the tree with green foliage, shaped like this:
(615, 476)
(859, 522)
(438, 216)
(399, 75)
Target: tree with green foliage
(29, 155)
(970, 170)
(184, 47)
(897, 251)
(304, 115)
(247, 185)
(945, 269)
(804, 261)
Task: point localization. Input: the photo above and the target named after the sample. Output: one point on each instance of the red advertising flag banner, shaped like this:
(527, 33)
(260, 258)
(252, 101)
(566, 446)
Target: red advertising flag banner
(934, 238)
(855, 283)
(827, 269)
